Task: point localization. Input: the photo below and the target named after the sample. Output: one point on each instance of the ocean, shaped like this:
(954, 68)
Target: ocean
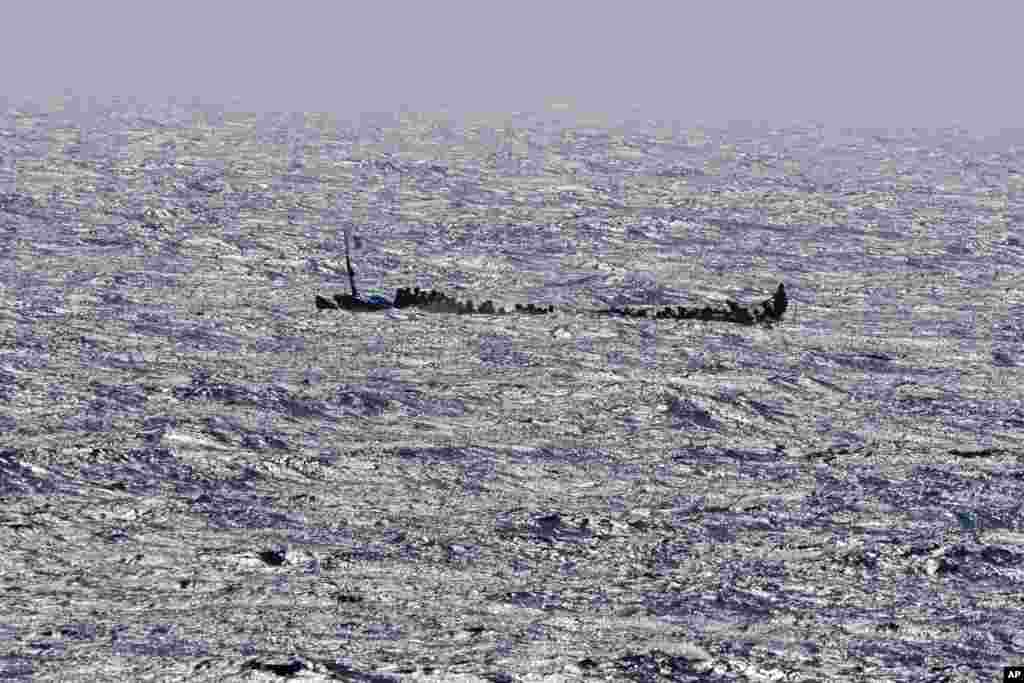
(203, 476)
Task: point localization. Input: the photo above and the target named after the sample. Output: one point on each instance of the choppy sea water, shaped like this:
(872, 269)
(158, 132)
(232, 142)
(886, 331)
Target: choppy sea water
(547, 496)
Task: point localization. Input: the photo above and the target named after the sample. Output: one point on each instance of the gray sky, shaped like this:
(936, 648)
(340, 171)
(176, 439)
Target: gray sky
(899, 63)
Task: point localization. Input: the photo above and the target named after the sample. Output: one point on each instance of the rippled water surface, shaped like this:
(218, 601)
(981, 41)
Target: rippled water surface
(200, 470)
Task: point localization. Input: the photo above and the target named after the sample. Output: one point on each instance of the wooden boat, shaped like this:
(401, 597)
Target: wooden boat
(767, 312)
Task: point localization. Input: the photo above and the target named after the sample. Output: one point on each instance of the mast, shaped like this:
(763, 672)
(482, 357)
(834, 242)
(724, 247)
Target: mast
(348, 264)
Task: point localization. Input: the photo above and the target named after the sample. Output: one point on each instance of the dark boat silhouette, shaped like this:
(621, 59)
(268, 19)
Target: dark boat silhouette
(767, 312)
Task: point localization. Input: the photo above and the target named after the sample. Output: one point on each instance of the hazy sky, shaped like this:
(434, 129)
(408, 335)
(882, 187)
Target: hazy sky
(898, 63)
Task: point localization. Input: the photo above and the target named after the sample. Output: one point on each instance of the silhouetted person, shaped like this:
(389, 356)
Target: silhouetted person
(780, 302)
